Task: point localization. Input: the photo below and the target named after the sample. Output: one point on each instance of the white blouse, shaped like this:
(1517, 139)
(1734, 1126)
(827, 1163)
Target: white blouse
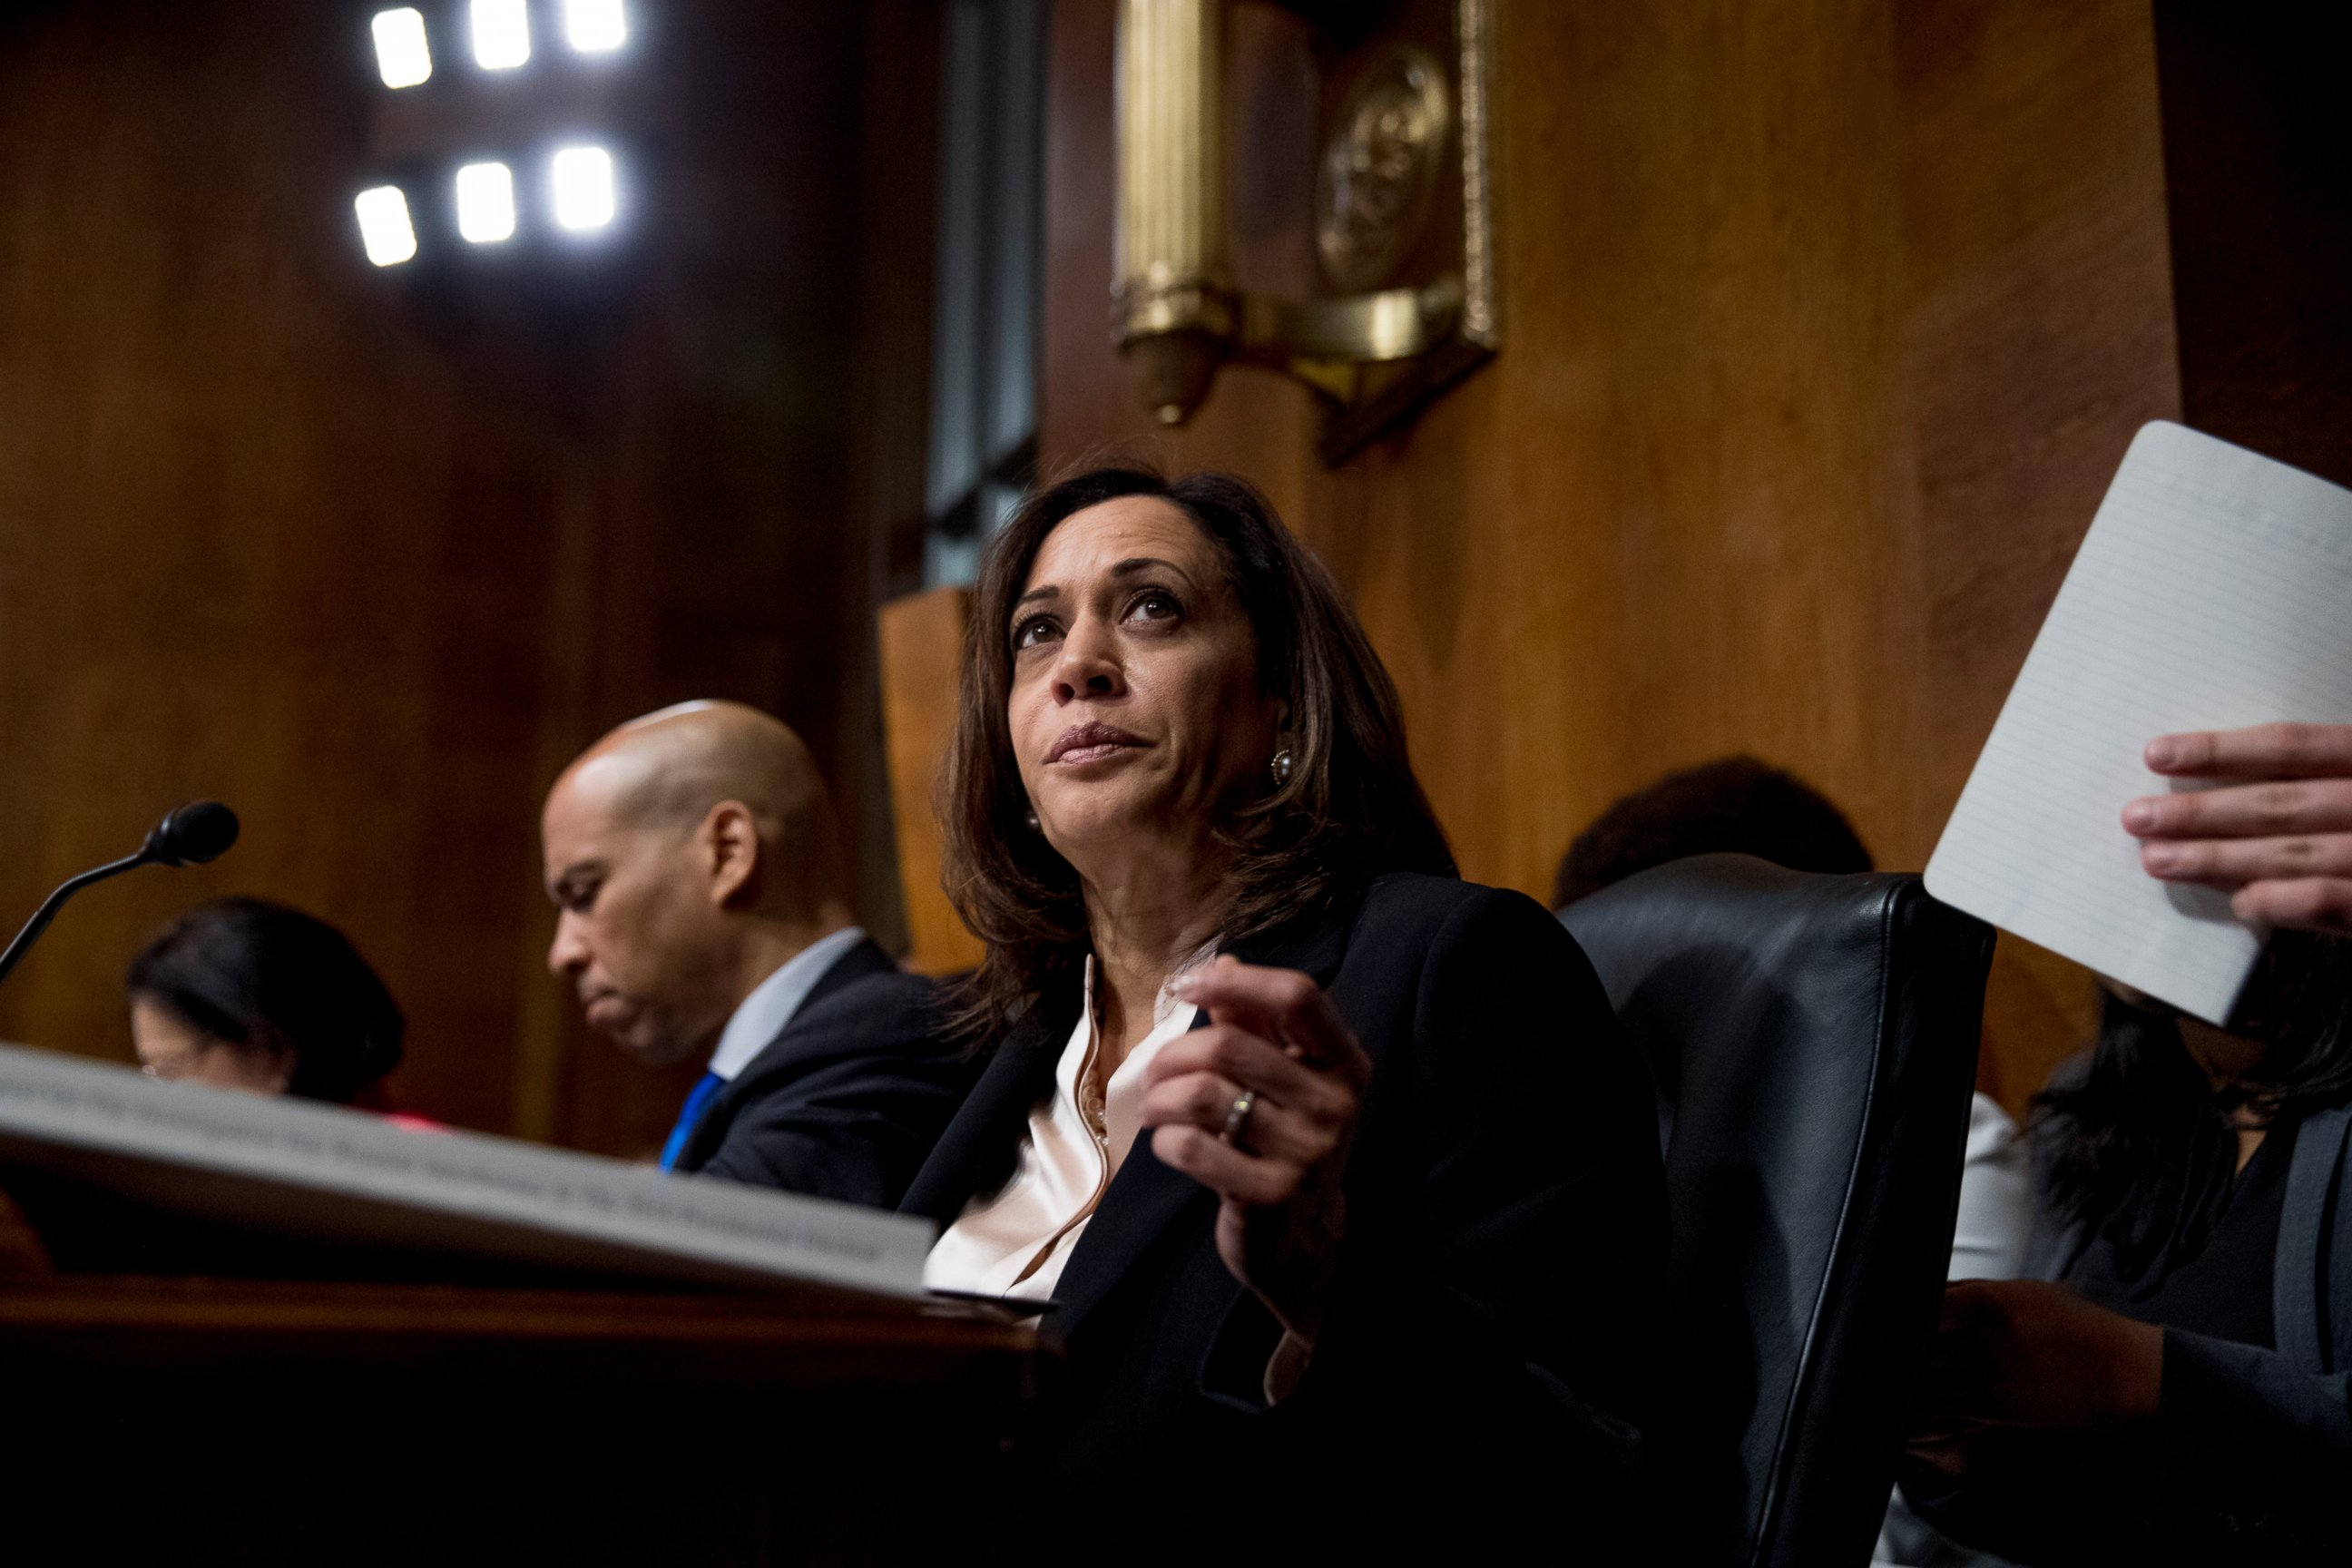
(1015, 1242)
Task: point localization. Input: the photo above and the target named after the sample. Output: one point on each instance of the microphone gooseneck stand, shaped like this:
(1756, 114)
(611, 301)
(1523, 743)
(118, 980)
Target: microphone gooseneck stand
(188, 836)
(56, 902)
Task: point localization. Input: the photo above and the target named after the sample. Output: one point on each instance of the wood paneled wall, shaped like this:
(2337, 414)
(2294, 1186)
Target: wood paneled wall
(370, 555)
(921, 638)
(2255, 116)
(1825, 324)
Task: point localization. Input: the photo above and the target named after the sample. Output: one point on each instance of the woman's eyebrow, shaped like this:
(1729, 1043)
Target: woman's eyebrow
(1133, 566)
(1140, 564)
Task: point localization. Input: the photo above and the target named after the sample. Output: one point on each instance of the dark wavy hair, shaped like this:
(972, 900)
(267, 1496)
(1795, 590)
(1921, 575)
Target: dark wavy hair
(1737, 805)
(2132, 1134)
(261, 977)
(1350, 810)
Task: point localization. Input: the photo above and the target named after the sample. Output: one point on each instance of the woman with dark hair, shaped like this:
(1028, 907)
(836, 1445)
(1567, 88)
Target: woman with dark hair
(244, 994)
(1329, 1172)
(2178, 1386)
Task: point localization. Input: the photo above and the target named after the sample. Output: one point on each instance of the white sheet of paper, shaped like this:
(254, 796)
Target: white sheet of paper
(2213, 590)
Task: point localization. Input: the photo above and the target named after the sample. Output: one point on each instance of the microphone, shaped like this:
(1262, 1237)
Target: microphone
(189, 835)
(194, 834)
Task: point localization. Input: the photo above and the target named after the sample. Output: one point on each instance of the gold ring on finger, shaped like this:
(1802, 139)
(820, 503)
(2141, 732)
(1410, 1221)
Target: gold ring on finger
(1238, 1117)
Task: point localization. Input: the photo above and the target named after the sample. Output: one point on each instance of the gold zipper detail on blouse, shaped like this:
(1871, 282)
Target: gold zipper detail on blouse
(1096, 1129)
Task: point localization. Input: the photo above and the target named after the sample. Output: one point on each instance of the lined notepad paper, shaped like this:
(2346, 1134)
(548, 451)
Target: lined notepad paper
(2214, 590)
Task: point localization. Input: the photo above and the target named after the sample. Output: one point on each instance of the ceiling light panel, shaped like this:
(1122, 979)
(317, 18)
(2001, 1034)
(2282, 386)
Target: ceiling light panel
(486, 203)
(581, 180)
(401, 56)
(595, 27)
(501, 34)
(384, 228)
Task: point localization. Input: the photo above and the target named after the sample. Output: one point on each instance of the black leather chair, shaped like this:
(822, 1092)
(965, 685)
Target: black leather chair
(1813, 1040)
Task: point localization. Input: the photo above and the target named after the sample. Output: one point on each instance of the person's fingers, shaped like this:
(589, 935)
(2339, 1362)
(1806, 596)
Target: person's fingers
(1244, 1008)
(1966, 1304)
(1200, 1098)
(2322, 904)
(1228, 1172)
(2259, 751)
(1270, 1130)
(1962, 1325)
(1251, 994)
(1301, 1014)
(2244, 810)
(2235, 862)
(1252, 1063)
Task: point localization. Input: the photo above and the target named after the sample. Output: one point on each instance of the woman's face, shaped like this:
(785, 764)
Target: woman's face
(171, 1048)
(1135, 710)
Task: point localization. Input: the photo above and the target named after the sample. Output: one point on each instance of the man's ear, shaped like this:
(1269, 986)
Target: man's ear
(730, 844)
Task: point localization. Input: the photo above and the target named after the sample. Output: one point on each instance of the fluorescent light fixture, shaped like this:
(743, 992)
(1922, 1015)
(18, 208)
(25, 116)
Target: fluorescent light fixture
(486, 205)
(501, 34)
(384, 228)
(595, 27)
(402, 58)
(582, 178)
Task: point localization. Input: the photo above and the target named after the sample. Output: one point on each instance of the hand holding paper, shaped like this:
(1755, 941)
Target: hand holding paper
(2211, 591)
(2275, 832)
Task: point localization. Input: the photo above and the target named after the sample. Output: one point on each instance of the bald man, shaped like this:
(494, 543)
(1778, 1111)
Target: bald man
(701, 913)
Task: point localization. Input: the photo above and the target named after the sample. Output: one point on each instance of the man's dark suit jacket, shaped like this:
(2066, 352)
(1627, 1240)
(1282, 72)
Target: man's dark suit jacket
(1486, 1362)
(848, 1098)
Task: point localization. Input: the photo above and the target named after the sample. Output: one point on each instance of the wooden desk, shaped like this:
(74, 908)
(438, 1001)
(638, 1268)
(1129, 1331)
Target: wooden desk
(259, 1422)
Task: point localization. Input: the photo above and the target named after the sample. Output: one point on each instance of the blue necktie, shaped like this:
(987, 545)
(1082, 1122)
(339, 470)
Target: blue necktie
(695, 1104)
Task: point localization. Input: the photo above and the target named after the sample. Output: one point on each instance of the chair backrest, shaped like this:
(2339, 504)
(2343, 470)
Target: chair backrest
(1813, 1041)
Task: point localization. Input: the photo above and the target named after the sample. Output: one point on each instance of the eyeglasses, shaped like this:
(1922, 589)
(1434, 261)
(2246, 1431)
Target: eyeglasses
(178, 1065)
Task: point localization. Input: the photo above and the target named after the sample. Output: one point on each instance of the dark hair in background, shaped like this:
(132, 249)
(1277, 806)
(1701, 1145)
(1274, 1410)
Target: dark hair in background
(1737, 805)
(1350, 810)
(257, 974)
(2142, 1112)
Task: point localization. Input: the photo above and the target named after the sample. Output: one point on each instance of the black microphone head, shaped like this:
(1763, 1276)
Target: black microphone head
(193, 833)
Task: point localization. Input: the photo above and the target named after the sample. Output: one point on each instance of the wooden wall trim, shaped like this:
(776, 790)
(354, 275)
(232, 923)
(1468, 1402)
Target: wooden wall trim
(921, 642)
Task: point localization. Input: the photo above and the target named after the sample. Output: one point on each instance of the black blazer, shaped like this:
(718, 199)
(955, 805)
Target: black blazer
(1486, 1362)
(848, 1098)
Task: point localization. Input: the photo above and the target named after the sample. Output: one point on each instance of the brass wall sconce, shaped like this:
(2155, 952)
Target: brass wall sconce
(1403, 221)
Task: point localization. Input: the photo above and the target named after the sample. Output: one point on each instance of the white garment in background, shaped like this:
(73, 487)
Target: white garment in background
(1015, 1242)
(1996, 1198)
(1987, 1243)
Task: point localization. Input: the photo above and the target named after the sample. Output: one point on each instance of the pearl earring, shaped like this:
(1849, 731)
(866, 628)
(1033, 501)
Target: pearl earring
(1030, 816)
(1281, 767)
